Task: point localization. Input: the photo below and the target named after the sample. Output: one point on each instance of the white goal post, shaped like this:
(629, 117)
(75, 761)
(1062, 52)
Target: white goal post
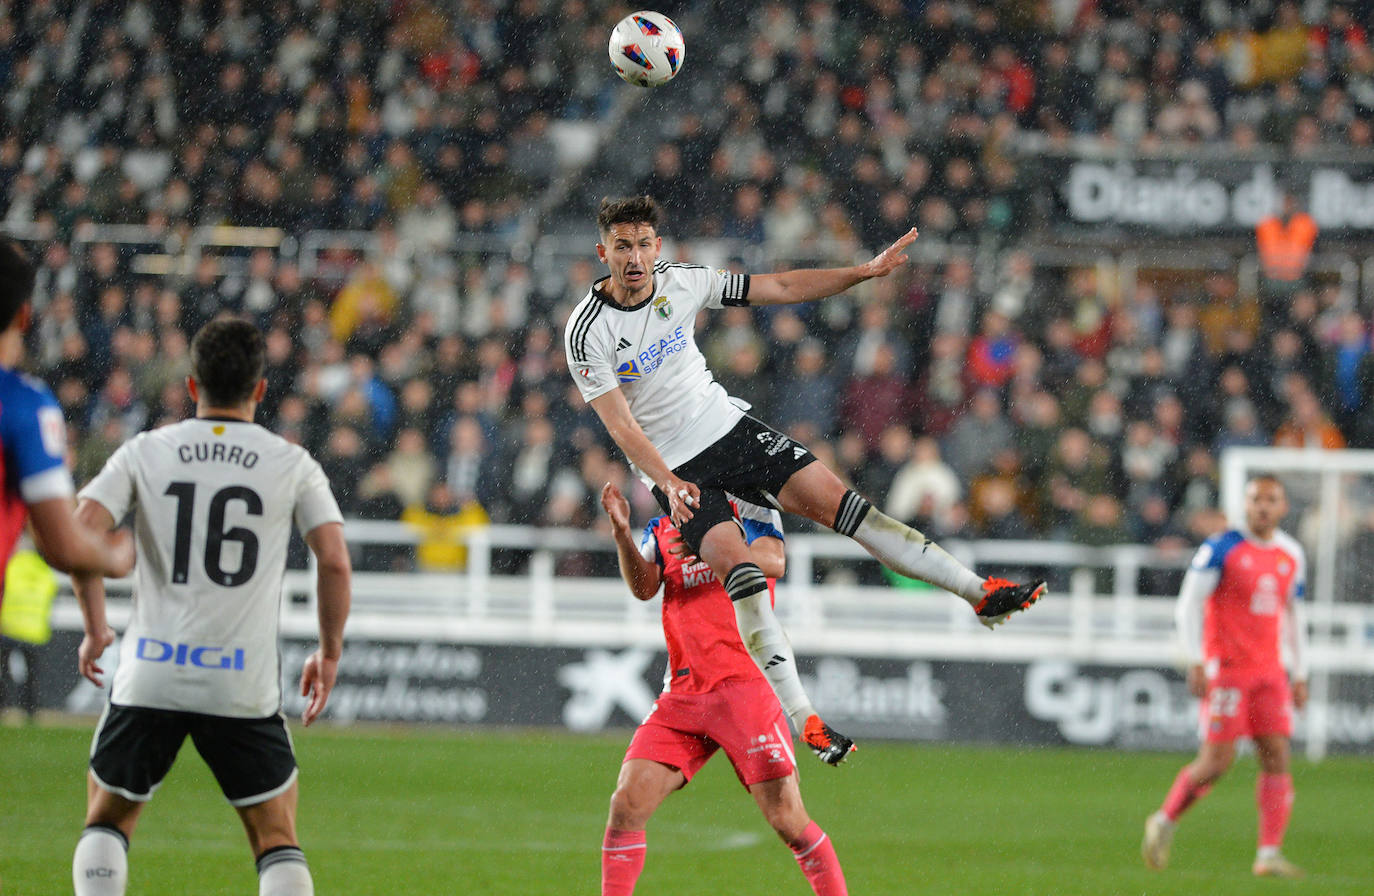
(1332, 498)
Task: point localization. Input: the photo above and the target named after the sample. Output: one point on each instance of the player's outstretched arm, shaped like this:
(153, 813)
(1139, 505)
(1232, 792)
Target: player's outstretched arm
(625, 431)
(334, 595)
(810, 284)
(73, 546)
(642, 576)
(93, 517)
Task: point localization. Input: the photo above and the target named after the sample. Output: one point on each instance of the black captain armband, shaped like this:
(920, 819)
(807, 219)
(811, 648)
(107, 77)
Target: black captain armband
(736, 291)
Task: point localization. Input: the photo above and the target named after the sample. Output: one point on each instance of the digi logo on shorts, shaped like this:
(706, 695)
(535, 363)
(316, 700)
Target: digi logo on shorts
(203, 657)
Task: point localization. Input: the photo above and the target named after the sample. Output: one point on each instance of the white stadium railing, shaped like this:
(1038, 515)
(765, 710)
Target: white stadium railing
(538, 606)
(837, 616)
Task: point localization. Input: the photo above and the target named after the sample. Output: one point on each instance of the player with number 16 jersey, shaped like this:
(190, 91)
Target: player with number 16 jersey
(212, 501)
(218, 484)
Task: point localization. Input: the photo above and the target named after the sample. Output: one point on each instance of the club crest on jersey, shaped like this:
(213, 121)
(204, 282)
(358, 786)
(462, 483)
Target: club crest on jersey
(628, 372)
(663, 307)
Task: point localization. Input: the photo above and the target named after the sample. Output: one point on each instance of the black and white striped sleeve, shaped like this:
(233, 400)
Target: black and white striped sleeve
(735, 292)
(728, 290)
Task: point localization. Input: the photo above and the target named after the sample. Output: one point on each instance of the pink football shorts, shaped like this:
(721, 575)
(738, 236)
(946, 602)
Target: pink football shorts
(742, 717)
(1246, 706)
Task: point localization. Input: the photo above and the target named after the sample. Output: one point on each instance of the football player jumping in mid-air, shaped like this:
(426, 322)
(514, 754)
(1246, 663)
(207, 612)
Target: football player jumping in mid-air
(632, 352)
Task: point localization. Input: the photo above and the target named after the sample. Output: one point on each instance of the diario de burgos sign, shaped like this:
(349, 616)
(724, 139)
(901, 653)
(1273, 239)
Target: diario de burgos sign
(1211, 196)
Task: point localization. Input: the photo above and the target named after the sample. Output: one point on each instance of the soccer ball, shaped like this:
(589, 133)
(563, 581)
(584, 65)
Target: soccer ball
(647, 48)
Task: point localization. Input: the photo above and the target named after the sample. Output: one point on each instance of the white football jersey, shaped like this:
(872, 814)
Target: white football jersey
(650, 352)
(213, 502)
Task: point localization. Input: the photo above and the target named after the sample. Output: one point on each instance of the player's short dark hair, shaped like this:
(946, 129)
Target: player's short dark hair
(16, 281)
(228, 357)
(627, 210)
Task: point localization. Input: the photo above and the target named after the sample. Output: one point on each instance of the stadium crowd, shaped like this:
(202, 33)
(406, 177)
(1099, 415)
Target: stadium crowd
(1016, 402)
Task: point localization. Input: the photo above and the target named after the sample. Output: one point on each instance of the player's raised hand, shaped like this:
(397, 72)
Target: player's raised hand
(616, 507)
(891, 258)
(88, 654)
(682, 497)
(317, 680)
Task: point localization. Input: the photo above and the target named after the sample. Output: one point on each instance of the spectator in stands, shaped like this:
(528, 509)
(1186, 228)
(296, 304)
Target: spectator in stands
(874, 400)
(941, 395)
(1100, 524)
(470, 468)
(1196, 484)
(1241, 428)
(893, 450)
(1146, 460)
(1149, 522)
(992, 353)
(411, 467)
(533, 467)
(1086, 466)
(925, 487)
(1285, 242)
(343, 462)
(118, 403)
(1105, 421)
(809, 392)
(995, 514)
(1348, 354)
(976, 438)
(444, 522)
(858, 353)
(1308, 425)
(378, 500)
(1005, 474)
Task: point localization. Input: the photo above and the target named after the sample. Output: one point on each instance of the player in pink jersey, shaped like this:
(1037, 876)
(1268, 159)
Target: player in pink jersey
(714, 697)
(1239, 604)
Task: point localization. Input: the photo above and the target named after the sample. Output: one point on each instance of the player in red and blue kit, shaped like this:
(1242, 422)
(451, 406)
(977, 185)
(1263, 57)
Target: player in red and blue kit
(714, 698)
(1240, 604)
(33, 446)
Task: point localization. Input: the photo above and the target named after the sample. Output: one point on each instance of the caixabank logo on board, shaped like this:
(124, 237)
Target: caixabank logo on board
(909, 701)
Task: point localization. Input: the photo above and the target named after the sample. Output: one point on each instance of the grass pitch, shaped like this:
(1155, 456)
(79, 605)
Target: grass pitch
(435, 811)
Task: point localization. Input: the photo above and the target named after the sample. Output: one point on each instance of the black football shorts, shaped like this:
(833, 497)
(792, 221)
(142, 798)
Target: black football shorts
(752, 461)
(134, 748)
